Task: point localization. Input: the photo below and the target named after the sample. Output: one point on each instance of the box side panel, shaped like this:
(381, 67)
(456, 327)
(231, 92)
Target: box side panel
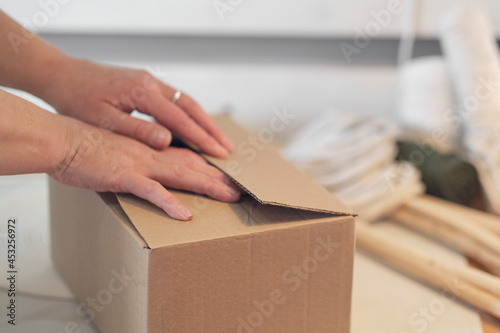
(331, 289)
(100, 260)
(295, 279)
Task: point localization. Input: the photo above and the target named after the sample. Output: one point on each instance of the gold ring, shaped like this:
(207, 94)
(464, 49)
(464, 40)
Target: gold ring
(176, 96)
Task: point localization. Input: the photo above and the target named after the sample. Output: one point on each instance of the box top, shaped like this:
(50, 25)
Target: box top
(265, 175)
(277, 192)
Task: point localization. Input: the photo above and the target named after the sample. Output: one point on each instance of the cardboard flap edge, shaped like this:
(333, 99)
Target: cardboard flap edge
(261, 172)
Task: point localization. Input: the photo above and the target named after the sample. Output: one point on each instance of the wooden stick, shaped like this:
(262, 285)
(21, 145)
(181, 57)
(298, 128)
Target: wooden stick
(455, 220)
(418, 266)
(450, 236)
(476, 276)
(488, 221)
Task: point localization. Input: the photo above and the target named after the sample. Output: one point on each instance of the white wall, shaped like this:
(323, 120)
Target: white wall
(289, 57)
(250, 17)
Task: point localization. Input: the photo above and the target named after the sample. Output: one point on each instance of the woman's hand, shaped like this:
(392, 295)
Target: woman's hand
(105, 96)
(101, 95)
(79, 154)
(75, 153)
(100, 160)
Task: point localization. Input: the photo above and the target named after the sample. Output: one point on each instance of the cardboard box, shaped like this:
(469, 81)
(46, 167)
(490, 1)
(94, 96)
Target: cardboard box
(280, 260)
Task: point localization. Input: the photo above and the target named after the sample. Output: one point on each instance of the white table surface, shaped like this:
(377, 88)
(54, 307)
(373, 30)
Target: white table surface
(383, 299)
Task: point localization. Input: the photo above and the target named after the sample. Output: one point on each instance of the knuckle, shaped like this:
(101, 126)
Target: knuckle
(212, 188)
(118, 184)
(187, 155)
(142, 130)
(190, 158)
(189, 163)
(184, 121)
(142, 74)
(143, 79)
(190, 103)
(179, 171)
(151, 187)
(170, 200)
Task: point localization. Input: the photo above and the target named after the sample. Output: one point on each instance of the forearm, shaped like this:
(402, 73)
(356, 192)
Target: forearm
(32, 140)
(27, 62)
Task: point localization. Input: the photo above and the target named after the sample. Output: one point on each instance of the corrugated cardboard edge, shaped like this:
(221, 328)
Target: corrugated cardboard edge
(266, 159)
(114, 204)
(89, 249)
(299, 187)
(150, 221)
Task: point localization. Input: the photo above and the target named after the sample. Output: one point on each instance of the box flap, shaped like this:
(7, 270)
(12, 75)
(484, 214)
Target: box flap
(281, 194)
(214, 219)
(266, 176)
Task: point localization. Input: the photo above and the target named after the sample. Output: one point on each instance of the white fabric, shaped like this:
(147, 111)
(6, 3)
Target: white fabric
(352, 155)
(426, 104)
(472, 57)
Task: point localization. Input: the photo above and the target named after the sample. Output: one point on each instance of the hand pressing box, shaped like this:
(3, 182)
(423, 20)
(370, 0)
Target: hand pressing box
(279, 260)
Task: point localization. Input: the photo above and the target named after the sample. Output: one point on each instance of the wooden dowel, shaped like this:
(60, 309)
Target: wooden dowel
(487, 220)
(476, 276)
(413, 263)
(455, 220)
(450, 236)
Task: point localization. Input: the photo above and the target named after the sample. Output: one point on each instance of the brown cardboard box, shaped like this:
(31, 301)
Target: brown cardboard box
(280, 260)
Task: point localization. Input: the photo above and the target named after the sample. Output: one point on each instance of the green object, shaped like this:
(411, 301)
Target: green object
(444, 175)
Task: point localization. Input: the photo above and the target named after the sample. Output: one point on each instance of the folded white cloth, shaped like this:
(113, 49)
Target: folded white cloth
(471, 52)
(352, 155)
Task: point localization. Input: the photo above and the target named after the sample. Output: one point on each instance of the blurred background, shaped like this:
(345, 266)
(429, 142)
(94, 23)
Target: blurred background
(252, 59)
(249, 57)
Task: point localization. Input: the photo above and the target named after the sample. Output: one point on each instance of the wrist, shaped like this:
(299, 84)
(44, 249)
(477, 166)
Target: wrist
(69, 139)
(33, 139)
(46, 83)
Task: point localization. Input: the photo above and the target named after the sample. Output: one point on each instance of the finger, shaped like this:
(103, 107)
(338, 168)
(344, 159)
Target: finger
(195, 111)
(191, 160)
(180, 177)
(155, 193)
(180, 155)
(212, 172)
(196, 163)
(171, 116)
(154, 135)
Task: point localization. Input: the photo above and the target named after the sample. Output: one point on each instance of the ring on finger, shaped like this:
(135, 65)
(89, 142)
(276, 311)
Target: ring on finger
(176, 96)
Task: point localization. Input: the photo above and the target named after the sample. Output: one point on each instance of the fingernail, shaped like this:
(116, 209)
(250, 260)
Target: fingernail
(185, 212)
(159, 139)
(234, 192)
(228, 144)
